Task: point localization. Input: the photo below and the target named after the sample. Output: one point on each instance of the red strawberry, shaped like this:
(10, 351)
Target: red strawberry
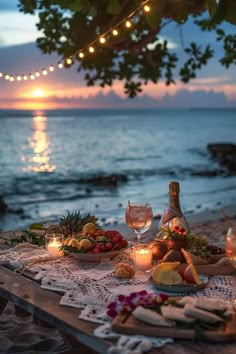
(111, 233)
(124, 243)
(115, 239)
(95, 250)
(89, 248)
(109, 246)
(103, 248)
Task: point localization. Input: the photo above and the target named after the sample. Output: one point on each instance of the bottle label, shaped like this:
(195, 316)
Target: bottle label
(171, 213)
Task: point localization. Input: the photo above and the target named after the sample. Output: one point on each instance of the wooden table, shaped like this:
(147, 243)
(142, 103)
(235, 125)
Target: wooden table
(26, 293)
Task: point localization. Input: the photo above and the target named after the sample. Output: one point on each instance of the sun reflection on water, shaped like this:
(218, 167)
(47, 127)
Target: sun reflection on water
(39, 143)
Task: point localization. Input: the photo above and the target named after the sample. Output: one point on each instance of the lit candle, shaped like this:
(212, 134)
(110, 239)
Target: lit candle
(143, 257)
(53, 244)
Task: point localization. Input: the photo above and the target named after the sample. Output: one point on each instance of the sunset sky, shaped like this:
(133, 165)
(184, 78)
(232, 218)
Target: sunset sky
(66, 89)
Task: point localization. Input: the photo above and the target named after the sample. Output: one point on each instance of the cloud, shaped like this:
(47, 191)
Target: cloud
(182, 99)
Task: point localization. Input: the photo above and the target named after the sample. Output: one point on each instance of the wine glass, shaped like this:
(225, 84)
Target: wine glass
(230, 246)
(230, 251)
(139, 217)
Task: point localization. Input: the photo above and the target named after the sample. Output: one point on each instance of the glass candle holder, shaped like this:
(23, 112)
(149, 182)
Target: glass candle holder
(142, 254)
(53, 243)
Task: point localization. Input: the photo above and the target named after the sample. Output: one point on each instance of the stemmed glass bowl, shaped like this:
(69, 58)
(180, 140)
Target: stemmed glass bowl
(139, 217)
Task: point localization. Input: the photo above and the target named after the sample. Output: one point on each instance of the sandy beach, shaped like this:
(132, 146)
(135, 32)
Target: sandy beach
(32, 338)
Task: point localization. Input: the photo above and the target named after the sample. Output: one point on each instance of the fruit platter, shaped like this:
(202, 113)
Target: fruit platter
(187, 248)
(187, 318)
(175, 277)
(90, 242)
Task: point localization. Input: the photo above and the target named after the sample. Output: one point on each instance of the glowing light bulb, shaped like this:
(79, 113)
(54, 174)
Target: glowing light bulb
(128, 24)
(51, 68)
(37, 74)
(102, 40)
(91, 50)
(12, 78)
(1, 75)
(7, 77)
(60, 65)
(115, 32)
(25, 77)
(147, 8)
(18, 78)
(32, 77)
(44, 72)
(81, 55)
(68, 61)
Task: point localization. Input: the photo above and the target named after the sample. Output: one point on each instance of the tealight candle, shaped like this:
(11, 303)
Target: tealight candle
(53, 244)
(142, 257)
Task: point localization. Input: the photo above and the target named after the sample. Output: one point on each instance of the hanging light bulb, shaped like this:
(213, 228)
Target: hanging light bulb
(12, 78)
(60, 65)
(37, 74)
(128, 24)
(81, 55)
(18, 78)
(69, 61)
(1, 75)
(102, 40)
(32, 77)
(7, 77)
(146, 8)
(25, 77)
(115, 32)
(91, 49)
(44, 72)
(51, 68)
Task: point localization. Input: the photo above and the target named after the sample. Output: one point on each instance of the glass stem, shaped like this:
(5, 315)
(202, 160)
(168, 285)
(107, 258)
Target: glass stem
(138, 237)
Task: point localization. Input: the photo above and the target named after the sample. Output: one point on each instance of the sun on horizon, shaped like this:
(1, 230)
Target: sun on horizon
(38, 93)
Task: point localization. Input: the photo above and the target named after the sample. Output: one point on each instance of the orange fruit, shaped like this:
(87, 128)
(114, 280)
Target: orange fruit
(163, 267)
(88, 227)
(85, 243)
(170, 277)
(74, 243)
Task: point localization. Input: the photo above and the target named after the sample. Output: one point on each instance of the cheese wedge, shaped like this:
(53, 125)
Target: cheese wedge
(201, 315)
(175, 313)
(151, 317)
(187, 300)
(204, 303)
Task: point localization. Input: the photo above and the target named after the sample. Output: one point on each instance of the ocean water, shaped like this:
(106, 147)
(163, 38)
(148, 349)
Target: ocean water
(45, 154)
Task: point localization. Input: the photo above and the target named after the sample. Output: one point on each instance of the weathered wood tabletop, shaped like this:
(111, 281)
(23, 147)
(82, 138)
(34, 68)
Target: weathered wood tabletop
(26, 293)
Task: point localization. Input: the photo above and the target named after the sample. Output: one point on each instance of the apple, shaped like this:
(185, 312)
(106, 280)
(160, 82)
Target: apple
(182, 268)
(159, 249)
(190, 275)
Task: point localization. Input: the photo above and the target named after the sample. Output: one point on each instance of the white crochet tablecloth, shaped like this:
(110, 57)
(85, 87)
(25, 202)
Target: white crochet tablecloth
(91, 286)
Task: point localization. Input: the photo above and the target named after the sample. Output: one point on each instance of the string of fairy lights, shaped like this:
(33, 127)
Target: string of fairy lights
(90, 48)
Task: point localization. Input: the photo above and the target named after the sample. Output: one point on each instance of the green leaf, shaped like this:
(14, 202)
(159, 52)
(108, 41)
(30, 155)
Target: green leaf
(78, 5)
(230, 10)
(114, 7)
(220, 12)
(155, 15)
(36, 227)
(179, 10)
(211, 6)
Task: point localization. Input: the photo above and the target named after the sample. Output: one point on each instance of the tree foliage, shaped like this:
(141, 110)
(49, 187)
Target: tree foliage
(136, 56)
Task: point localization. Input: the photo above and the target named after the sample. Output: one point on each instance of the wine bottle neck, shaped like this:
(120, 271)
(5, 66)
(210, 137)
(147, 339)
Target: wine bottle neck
(174, 201)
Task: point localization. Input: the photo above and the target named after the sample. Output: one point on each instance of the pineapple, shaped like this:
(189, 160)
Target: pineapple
(73, 223)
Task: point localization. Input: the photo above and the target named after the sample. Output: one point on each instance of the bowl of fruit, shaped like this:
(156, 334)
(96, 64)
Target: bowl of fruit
(175, 277)
(93, 244)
